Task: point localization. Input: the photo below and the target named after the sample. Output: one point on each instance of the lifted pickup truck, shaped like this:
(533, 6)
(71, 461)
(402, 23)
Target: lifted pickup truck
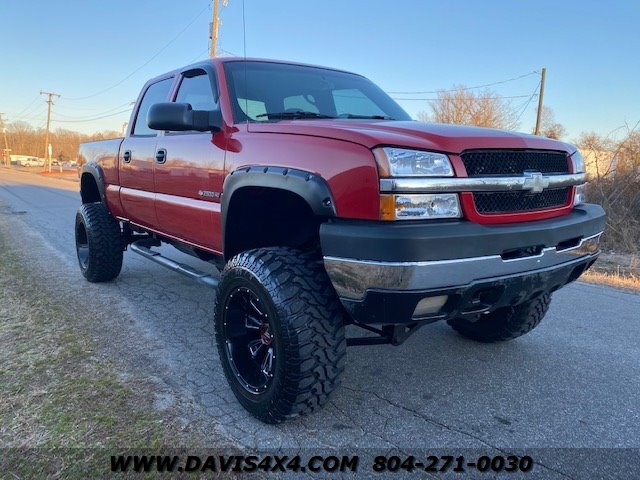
(324, 205)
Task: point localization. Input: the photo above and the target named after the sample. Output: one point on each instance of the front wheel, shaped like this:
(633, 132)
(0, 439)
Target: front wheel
(505, 323)
(279, 332)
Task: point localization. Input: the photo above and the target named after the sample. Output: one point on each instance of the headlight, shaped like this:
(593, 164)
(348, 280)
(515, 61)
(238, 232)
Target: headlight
(581, 194)
(400, 162)
(419, 206)
(578, 162)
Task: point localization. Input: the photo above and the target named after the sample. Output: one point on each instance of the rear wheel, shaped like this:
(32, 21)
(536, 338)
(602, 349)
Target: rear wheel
(505, 323)
(280, 332)
(98, 243)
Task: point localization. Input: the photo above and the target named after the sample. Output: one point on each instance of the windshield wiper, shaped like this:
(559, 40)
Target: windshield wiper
(296, 114)
(372, 117)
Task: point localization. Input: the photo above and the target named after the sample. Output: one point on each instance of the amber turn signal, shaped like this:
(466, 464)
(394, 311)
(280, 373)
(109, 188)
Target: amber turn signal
(387, 207)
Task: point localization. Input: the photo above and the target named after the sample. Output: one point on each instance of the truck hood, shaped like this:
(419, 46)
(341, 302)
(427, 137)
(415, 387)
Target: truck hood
(430, 136)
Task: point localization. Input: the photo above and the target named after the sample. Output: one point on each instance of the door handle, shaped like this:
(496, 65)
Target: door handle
(126, 156)
(161, 155)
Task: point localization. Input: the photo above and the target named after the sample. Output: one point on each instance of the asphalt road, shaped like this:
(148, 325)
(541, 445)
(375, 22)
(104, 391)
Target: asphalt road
(574, 382)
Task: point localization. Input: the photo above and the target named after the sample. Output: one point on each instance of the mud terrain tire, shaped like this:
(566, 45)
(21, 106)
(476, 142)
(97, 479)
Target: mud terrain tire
(98, 243)
(280, 332)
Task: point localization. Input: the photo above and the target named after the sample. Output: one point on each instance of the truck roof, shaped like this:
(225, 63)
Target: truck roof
(214, 61)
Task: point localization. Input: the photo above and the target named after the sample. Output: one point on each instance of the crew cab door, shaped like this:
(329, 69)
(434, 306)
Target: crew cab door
(189, 170)
(137, 159)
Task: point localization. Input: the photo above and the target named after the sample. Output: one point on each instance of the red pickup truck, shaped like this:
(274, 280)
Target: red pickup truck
(324, 205)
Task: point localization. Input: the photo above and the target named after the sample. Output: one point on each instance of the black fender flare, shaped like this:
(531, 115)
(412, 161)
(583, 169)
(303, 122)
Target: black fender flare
(311, 187)
(96, 172)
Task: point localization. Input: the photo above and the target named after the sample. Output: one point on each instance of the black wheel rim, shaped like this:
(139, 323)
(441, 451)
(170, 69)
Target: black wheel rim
(249, 340)
(82, 245)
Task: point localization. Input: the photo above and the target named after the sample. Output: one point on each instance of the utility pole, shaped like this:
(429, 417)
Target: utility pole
(540, 99)
(6, 143)
(214, 30)
(50, 96)
(124, 128)
(215, 23)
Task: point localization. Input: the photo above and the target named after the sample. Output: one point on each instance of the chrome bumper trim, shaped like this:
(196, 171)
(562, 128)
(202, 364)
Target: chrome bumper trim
(352, 278)
(532, 182)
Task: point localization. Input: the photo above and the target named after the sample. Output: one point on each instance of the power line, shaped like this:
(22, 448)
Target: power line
(144, 64)
(17, 116)
(86, 120)
(227, 53)
(200, 55)
(33, 115)
(469, 88)
(81, 118)
(533, 95)
(85, 109)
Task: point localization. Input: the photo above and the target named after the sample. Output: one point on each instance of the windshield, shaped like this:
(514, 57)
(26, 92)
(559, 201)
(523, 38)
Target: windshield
(265, 91)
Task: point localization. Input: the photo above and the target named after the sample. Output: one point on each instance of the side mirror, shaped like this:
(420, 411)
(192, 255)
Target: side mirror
(180, 117)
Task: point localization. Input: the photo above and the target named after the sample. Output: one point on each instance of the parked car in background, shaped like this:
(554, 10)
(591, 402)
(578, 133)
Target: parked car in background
(26, 161)
(31, 162)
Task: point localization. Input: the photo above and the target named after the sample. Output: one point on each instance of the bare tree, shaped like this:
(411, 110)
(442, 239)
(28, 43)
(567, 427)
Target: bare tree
(424, 117)
(615, 184)
(464, 107)
(598, 154)
(24, 139)
(548, 125)
(630, 153)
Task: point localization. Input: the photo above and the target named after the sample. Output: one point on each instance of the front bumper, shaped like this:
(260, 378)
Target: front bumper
(382, 271)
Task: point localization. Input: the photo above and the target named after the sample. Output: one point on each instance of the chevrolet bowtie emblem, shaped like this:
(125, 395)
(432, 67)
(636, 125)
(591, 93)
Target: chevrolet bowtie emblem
(535, 182)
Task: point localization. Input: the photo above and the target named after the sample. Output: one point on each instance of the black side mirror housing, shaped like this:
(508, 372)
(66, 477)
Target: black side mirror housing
(180, 117)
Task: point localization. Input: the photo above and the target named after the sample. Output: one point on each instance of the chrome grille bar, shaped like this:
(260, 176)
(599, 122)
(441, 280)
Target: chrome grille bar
(485, 184)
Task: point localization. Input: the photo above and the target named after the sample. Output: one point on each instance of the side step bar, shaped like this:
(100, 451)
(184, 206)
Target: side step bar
(143, 247)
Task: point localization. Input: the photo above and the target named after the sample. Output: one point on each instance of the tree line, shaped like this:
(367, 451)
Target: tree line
(24, 139)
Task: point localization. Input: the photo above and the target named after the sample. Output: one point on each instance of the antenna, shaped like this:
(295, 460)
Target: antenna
(244, 32)
(244, 52)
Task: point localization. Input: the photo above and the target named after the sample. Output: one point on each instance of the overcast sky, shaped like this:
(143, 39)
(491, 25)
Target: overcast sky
(79, 48)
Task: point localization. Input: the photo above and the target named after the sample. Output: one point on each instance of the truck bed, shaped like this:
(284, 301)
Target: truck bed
(103, 152)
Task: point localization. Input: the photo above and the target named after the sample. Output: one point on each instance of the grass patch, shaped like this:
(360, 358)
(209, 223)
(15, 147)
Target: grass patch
(612, 279)
(63, 409)
(615, 270)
